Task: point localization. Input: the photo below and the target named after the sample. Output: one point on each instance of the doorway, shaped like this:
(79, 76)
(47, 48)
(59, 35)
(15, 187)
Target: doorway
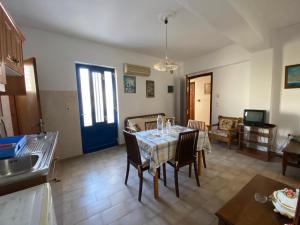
(199, 97)
(97, 107)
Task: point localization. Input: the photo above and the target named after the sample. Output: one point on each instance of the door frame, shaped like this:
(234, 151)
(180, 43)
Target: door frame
(79, 65)
(189, 110)
(189, 77)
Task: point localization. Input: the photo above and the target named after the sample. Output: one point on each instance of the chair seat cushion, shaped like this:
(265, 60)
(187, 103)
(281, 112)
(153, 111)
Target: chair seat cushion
(218, 132)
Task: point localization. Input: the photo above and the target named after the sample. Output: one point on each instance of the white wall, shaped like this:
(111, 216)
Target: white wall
(256, 80)
(231, 76)
(261, 80)
(56, 56)
(285, 103)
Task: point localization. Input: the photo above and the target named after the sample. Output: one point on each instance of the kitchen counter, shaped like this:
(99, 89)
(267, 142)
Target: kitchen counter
(42, 145)
(31, 206)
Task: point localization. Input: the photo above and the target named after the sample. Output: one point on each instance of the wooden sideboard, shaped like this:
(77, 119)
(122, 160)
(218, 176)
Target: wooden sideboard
(257, 141)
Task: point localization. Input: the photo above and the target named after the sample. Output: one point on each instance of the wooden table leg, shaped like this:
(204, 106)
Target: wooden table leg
(199, 153)
(155, 185)
(284, 162)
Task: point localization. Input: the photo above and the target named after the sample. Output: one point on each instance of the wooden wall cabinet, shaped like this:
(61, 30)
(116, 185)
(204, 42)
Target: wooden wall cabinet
(2, 68)
(11, 47)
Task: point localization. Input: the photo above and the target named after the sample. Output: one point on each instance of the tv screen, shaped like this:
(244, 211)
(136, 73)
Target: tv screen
(254, 117)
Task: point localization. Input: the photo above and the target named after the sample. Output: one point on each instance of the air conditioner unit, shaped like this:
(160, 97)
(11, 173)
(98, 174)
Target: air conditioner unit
(130, 69)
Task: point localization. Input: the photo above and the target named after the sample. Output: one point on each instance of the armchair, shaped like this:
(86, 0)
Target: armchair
(226, 130)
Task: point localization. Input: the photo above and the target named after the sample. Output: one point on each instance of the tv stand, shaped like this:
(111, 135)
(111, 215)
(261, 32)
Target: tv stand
(257, 141)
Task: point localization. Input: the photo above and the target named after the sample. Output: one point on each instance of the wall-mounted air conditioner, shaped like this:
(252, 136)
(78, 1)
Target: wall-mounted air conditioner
(130, 69)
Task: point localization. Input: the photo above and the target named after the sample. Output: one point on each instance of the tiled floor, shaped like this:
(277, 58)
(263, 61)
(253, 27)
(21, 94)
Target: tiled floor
(92, 189)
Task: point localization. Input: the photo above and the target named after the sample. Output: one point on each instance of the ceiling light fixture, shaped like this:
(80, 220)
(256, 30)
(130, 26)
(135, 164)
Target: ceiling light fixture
(166, 65)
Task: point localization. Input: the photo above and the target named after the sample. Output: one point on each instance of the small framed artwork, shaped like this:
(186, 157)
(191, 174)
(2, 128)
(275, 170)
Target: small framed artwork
(149, 88)
(129, 84)
(207, 88)
(292, 76)
(170, 89)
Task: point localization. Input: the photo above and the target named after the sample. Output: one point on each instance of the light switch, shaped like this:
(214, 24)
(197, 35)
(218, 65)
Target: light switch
(68, 106)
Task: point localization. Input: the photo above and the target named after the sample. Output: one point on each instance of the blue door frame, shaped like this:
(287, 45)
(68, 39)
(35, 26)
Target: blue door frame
(98, 134)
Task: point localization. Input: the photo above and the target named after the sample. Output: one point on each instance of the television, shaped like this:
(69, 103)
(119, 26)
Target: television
(254, 117)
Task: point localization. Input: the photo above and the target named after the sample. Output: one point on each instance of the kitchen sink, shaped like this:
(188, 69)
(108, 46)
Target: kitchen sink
(18, 165)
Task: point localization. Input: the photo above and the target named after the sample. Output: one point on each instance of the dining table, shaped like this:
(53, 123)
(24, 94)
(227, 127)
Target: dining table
(159, 146)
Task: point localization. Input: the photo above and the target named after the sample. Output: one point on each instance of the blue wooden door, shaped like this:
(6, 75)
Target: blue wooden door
(97, 107)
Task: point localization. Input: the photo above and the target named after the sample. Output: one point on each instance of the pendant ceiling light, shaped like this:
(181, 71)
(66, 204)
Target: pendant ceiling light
(166, 65)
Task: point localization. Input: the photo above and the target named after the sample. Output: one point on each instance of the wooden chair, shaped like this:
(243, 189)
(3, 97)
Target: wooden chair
(226, 130)
(199, 125)
(134, 158)
(150, 125)
(185, 155)
(171, 119)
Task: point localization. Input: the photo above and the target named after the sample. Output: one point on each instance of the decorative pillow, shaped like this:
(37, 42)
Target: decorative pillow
(133, 126)
(136, 127)
(225, 124)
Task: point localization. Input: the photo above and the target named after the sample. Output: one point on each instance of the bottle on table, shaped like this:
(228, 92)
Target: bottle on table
(159, 122)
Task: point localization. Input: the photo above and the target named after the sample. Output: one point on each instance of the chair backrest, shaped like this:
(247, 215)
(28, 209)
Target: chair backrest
(132, 148)
(150, 125)
(226, 122)
(171, 119)
(186, 147)
(195, 124)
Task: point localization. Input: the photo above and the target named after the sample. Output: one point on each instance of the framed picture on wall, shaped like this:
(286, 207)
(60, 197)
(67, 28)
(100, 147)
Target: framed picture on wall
(207, 87)
(292, 76)
(149, 88)
(129, 84)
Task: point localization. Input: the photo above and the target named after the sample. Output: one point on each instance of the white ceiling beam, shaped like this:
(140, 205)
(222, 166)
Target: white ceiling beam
(231, 19)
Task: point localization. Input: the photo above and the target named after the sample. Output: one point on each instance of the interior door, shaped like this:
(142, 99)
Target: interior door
(28, 106)
(97, 107)
(192, 101)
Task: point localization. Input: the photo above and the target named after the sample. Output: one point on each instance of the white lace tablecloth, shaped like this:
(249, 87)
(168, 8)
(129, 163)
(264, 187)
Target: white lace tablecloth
(159, 146)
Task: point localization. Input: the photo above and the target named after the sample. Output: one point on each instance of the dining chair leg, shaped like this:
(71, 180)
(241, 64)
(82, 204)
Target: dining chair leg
(196, 173)
(199, 156)
(203, 157)
(176, 182)
(127, 172)
(159, 173)
(165, 174)
(141, 185)
(190, 170)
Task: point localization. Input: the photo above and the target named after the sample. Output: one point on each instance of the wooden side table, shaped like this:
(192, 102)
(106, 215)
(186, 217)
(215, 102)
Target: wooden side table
(291, 155)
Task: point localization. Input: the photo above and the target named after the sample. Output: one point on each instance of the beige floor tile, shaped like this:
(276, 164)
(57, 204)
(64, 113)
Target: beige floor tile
(92, 189)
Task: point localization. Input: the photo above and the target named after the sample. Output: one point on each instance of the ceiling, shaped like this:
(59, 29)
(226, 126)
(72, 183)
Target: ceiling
(200, 26)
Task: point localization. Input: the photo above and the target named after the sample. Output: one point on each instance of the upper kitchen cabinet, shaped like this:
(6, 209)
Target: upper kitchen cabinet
(2, 68)
(12, 49)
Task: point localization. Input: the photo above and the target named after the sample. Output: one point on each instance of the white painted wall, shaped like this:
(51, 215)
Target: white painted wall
(231, 77)
(243, 80)
(56, 56)
(285, 103)
(261, 80)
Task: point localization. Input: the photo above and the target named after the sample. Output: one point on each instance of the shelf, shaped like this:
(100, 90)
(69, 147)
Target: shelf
(258, 134)
(254, 153)
(255, 142)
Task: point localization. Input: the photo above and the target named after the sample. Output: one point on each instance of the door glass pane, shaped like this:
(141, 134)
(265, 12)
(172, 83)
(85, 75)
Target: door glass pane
(98, 97)
(86, 97)
(109, 97)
